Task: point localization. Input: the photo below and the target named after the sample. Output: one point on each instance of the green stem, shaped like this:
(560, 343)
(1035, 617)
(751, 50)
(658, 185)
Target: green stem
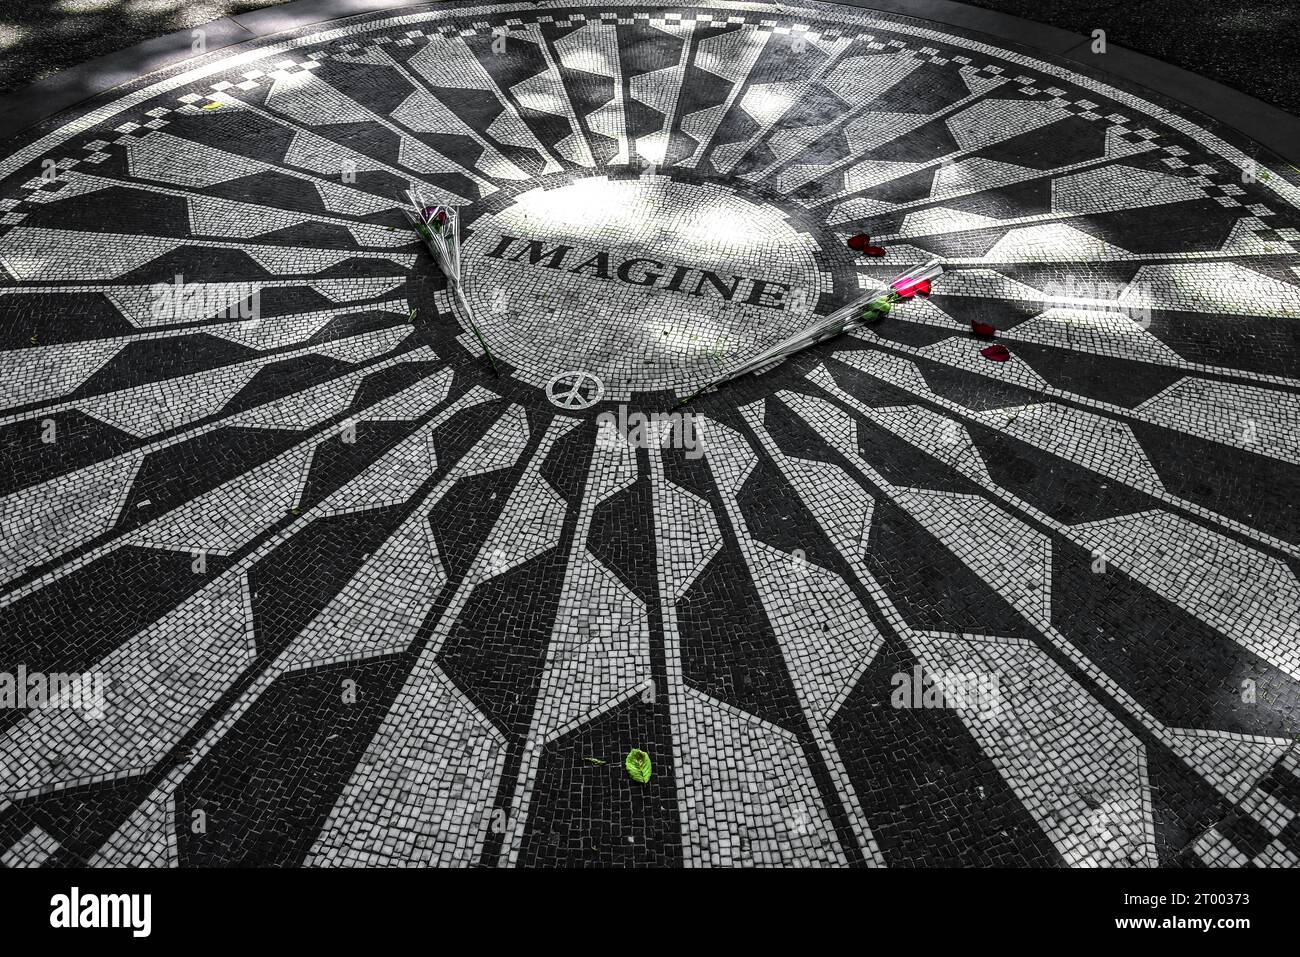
(700, 391)
(469, 318)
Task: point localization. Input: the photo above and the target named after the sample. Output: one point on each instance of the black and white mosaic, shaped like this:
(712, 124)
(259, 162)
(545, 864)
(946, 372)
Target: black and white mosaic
(336, 595)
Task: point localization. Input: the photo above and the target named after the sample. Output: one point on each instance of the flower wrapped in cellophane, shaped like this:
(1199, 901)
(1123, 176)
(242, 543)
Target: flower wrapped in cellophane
(869, 308)
(439, 227)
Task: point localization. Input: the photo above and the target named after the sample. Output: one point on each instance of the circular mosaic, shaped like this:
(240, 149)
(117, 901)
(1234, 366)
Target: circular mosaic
(356, 570)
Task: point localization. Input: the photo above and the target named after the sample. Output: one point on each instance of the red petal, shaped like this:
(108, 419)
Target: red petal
(998, 353)
(983, 329)
(859, 242)
(874, 251)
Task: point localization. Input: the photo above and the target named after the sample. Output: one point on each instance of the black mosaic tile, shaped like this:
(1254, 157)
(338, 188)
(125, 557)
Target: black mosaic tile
(260, 797)
(739, 663)
(929, 794)
(595, 815)
(1157, 648)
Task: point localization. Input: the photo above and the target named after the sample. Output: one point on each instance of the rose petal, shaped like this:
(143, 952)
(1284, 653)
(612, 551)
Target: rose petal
(983, 329)
(998, 353)
(874, 251)
(859, 242)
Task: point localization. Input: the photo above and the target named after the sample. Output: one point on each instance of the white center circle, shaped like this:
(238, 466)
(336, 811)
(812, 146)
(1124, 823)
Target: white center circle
(648, 283)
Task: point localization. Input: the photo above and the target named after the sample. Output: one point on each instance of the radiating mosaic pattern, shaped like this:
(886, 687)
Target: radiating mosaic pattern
(354, 601)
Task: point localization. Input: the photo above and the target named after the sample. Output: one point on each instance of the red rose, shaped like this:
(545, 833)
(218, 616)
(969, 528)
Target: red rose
(907, 288)
(983, 329)
(998, 353)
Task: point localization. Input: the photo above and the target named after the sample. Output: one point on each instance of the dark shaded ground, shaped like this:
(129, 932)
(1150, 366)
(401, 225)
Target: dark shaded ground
(1252, 45)
(41, 37)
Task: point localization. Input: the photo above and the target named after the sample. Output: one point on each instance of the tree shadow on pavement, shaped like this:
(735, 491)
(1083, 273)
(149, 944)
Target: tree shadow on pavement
(38, 38)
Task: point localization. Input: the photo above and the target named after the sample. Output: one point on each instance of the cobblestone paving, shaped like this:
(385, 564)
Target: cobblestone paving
(341, 597)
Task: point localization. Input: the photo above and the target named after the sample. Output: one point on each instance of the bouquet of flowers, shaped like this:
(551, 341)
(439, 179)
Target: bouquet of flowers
(439, 227)
(870, 308)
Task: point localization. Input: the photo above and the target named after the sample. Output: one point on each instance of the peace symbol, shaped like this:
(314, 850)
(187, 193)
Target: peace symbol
(574, 390)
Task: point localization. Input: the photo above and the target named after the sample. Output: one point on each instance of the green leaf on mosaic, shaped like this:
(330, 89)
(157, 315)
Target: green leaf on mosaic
(638, 765)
